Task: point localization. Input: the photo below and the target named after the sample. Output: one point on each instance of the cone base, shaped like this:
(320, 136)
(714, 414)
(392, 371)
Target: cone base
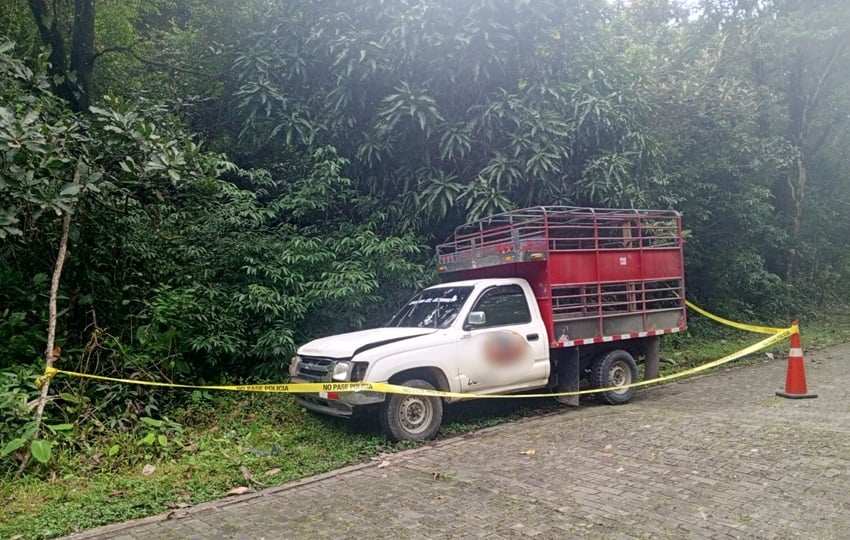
(782, 393)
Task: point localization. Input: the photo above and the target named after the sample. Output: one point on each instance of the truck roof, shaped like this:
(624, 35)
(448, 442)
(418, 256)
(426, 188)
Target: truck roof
(473, 282)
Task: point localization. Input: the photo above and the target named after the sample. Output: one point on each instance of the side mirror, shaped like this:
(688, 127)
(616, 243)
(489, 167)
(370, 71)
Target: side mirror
(476, 318)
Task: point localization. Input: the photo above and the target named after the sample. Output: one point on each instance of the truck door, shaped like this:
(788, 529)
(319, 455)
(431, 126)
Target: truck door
(503, 345)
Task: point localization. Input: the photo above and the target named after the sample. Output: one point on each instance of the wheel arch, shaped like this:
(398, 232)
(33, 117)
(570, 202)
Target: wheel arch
(636, 347)
(433, 375)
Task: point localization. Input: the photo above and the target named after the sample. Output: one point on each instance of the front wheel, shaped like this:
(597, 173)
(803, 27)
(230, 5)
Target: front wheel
(411, 417)
(615, 368)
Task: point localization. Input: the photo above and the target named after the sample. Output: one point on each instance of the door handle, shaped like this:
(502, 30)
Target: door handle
(532, 337)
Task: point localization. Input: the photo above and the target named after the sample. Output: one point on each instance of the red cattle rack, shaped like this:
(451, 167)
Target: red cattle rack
(598, 274)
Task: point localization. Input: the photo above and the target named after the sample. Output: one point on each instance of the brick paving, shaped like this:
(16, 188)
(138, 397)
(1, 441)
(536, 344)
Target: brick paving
(713, 457)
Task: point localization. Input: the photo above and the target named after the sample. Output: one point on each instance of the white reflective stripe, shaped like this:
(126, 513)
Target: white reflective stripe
(795, 352)
(616, 337)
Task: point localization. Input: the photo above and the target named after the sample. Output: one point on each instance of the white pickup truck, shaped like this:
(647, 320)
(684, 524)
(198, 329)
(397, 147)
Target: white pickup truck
(538, 298)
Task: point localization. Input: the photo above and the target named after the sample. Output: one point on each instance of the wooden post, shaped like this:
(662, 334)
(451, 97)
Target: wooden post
(652, 358)
(569, 374)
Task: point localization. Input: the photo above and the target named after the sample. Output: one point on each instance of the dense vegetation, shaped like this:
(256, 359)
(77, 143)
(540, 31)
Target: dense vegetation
(234, 178)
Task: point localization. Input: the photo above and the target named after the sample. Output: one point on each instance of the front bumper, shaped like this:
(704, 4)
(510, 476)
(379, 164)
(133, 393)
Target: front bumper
(339, 404)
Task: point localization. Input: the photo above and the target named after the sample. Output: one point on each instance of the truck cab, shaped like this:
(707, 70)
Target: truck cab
(481, 336)
(531, 299)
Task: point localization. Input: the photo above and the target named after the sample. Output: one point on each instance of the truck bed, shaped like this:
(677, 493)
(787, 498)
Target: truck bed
(598, 274)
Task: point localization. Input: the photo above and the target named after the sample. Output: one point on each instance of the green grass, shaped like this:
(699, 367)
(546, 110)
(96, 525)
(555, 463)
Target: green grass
(259, 432)
(226, 432)
(709, 341)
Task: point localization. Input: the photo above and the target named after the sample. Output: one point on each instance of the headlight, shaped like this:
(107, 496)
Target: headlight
(293, 366)
(358, 371)
(341, 371)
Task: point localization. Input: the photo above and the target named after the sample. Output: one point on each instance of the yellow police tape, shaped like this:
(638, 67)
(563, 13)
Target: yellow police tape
(778, 334)
(308, 388)
(741, 326)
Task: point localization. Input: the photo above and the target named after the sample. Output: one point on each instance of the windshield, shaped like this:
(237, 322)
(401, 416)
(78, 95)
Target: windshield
(432, 308)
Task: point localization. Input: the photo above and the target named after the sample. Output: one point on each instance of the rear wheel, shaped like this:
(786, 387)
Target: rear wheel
(615, 368)
(406, 417)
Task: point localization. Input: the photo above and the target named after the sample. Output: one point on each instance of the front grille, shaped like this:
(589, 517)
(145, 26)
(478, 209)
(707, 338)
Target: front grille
(314, 368)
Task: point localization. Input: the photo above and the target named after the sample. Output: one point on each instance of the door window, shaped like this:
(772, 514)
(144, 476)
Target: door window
(503, 305)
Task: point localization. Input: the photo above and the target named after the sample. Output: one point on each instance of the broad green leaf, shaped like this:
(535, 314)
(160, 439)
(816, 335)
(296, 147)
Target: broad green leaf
(30, 117)
(71, 398)
(41, 450)
(148, 439)
(114, 449)
(70, 189)
(12, 445)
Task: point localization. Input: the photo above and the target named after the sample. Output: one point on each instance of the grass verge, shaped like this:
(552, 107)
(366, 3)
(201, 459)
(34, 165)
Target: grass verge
(226, 441)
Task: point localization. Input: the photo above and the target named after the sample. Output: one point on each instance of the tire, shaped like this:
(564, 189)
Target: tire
(615, 368)
(406, 417)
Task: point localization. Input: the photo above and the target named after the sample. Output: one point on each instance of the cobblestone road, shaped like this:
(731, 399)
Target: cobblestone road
(715, 457)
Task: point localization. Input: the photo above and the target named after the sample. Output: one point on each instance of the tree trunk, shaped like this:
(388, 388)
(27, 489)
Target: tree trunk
(797, 194)
(50, 352)
(72, 82)
(801, 108)
(51, 35)
(82, 51)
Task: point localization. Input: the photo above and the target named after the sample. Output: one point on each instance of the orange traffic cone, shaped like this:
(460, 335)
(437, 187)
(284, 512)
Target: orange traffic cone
(795, 377)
